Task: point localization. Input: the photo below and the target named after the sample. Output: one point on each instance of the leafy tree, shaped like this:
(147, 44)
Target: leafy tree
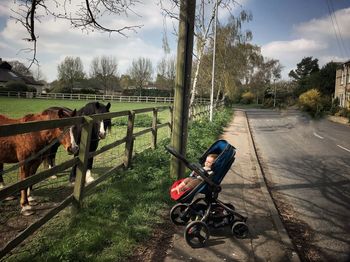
(236, 59)
(247, 98)
(141, 72)
(126, 81)
(70, 70)
(203, 35)
(304, 75)
(266, 72)
(327, 76)
(104, 69)
(311, 101)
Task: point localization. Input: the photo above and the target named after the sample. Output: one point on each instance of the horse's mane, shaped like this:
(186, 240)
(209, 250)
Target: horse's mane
(54, 110)
(28, 117)
(25, 118)
(88, 109)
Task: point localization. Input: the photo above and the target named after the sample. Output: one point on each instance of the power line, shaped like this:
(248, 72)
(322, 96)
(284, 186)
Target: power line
(340, 34)
(343, 50)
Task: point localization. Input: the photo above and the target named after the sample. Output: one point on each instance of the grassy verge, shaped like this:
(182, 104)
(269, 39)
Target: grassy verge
(123, 211)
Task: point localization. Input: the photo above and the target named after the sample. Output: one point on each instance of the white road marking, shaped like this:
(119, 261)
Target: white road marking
(343, 148)
(316, 135)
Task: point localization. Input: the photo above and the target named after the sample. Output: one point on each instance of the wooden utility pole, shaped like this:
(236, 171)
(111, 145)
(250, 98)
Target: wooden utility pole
(182, 84)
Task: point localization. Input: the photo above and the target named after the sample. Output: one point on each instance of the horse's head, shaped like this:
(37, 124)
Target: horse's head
(68, 138)
(106, 124)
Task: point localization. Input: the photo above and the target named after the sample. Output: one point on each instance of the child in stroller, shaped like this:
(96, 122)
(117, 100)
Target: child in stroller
(193, 180)
(198, 213)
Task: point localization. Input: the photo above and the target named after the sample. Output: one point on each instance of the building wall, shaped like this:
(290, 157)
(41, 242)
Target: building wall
(342, 85)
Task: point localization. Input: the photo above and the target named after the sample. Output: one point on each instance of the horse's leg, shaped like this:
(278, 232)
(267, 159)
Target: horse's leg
(49, 161)
(2, 183)
(88, 176)
(72, 174)
(32, 170)
(26, 208)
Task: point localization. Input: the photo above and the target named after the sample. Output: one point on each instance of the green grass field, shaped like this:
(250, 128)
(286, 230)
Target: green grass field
(16, 108)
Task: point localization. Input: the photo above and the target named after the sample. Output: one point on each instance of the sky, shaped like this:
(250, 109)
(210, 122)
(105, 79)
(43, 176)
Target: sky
(286, 30)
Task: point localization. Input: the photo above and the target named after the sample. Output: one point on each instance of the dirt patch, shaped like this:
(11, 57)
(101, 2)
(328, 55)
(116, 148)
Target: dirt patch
(300, 232)
(155, 249)
(13, 223)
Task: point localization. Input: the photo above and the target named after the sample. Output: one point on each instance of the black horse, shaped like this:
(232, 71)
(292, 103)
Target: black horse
(99, 131)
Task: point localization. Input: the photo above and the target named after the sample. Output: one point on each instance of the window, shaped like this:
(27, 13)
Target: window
(341, 100)
(342, 77)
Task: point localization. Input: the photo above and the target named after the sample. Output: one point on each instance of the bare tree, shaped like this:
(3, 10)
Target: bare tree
(204, 19)
(38, 74)
(171, 71)
(70, 70)
(20, 68)
(166, 71)
(141, 71)
(105, 70)
(84, 15)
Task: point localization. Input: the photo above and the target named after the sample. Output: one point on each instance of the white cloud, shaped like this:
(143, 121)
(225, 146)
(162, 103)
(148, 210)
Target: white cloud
(325, 27)
(292, 47)
(314, 38)
(289, 53)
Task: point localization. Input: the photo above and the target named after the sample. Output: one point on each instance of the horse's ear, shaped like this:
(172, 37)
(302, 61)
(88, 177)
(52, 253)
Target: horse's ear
(97, 104)
(74, 113)
(108, 106)
(60, 113)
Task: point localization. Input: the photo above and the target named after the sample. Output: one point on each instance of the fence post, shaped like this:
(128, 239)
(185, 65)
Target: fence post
(84, 147)
(154, 128)
(129, 144)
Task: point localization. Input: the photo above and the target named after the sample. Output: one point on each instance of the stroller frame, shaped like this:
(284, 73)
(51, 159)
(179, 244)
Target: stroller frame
(200, 213)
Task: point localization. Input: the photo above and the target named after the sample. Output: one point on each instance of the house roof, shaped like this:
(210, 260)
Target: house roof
(6, 75)
(346, 62)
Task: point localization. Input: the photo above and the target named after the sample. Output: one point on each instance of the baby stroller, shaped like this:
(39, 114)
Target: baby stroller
(200, 213)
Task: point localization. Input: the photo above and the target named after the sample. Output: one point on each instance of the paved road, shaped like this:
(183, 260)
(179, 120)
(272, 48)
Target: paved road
(307, 165)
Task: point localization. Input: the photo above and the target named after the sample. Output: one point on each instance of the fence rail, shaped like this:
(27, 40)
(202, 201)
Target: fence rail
(117, 98)
(80, 188)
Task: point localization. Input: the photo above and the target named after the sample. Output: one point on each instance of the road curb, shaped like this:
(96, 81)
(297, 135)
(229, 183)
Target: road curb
(270, 203)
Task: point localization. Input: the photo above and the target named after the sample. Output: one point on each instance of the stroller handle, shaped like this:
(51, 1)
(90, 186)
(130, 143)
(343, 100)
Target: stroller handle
(192, 166)
(172, 151)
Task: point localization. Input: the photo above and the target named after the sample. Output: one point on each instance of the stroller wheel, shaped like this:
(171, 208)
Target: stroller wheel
(178, 215)
(196, 234)
(240, 229)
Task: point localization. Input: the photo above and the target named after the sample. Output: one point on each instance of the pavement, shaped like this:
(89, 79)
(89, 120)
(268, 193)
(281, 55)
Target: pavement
(244, 187)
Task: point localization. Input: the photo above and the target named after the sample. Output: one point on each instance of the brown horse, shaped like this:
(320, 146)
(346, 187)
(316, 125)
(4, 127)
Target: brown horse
(20, 147)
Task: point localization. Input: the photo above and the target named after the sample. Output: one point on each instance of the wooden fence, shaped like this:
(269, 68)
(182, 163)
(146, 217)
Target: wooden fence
(80, 189)
(117, 98)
